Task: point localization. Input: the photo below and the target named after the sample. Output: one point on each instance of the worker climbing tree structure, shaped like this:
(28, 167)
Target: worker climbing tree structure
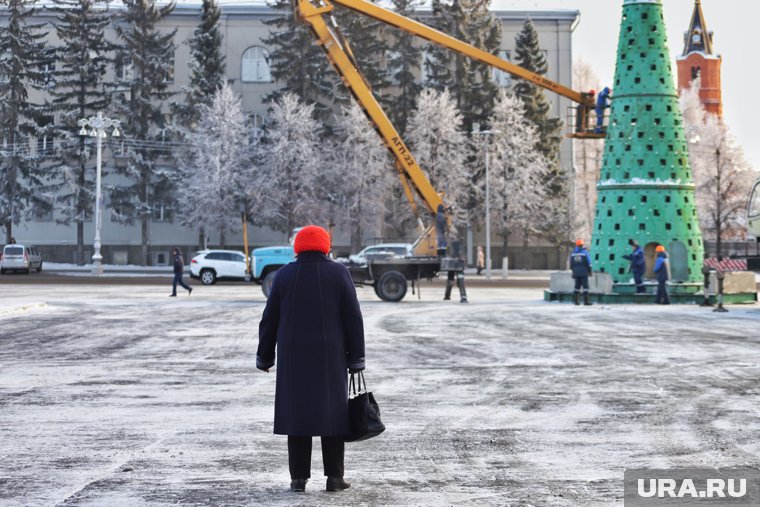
(645, 189)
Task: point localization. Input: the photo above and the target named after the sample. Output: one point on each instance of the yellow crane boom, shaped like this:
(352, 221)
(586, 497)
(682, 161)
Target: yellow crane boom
(338, 51)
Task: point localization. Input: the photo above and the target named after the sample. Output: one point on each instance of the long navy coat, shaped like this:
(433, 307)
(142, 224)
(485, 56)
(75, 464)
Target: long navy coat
(314, 320)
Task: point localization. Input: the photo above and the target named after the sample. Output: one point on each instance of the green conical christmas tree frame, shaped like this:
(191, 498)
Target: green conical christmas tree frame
(645, 190)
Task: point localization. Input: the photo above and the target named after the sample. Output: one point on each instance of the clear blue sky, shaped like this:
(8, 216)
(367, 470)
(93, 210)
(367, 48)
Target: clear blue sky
(733, 21)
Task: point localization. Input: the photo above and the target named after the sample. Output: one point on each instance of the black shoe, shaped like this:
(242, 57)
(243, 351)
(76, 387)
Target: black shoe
(189, 291)
(298, 485)
(172, 295)
(337, 484)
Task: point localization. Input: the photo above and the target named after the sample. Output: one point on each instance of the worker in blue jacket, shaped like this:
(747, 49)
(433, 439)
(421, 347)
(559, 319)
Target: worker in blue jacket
(580, 264)
(638, 265)
(602, 103)
(662, 270)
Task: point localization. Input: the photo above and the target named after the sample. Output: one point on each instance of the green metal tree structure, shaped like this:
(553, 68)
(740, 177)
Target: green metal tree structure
(645, 189)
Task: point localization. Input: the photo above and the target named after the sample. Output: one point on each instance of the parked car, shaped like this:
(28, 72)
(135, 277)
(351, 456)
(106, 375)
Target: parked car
(16, 257)
(382, 250)
(211, 265)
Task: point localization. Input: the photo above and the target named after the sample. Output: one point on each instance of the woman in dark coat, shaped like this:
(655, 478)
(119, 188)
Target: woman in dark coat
(313, 318)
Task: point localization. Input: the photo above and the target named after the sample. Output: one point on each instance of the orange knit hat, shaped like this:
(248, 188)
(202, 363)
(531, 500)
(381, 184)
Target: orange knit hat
(312, 238)
(659, 248)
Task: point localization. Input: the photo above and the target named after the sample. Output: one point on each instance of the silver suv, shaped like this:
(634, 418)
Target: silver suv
(17, 257)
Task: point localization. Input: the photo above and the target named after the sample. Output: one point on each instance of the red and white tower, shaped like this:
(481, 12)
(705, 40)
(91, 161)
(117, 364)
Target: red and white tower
(699, 61)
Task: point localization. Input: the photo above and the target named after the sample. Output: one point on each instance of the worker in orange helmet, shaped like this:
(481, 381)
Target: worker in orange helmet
(662, 270)
(580, 264)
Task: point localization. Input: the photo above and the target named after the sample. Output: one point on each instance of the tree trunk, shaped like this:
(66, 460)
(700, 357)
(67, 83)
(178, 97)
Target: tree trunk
(222, 239)
(526, 258)
(356, 238)
(202, 239)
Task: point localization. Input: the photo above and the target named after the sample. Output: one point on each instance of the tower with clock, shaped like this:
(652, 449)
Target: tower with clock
(699, 61)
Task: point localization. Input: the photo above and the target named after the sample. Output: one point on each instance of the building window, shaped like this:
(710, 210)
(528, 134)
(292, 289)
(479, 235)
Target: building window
(696, 72)
(124, 68)
(47, 69)
(501, 78)
(256, 122)
(427, 60)
(83, 215)
(255, 66)
(169, 71)
(44, 143)
(42, 208)
(162, 213)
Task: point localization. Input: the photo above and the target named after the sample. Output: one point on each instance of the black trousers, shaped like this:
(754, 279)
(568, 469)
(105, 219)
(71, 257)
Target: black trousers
(178, 280)
(299, 456)
(581, 282)
(662, 293)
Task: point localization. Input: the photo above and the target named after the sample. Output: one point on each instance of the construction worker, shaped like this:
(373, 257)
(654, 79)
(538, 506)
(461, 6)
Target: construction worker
(441, 230)
(662, 270)
(456, 275)
(602, 103)
(580, 264)
(638, 265)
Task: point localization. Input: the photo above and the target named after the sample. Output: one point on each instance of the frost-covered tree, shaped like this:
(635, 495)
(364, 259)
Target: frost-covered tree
(722, 175)
(437, 140)
(528, 54)
(23, 55)
(518, 199)
(297, 64)
(290, 161)
(207, 66)
(218, 174)
(470, 83)
(588, 160)
(147, 62)
(403, 66)
(82, 59)
(359, 176)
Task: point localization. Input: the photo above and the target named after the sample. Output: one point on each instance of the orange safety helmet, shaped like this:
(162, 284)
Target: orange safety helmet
(659, 248)
(578, 242)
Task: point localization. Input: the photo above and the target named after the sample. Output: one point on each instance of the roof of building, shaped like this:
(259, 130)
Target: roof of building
(697, 38)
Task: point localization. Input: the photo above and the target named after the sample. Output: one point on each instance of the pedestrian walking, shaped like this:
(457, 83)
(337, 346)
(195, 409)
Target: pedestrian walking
(580, 264)
(313, 321)
(480, 262)
(179, 269)
(638, 265)
(662, 270)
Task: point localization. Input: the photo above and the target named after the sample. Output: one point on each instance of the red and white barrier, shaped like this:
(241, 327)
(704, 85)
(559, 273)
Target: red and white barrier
(727, 264)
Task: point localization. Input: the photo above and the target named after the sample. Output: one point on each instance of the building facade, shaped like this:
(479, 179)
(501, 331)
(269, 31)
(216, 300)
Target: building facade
(243, 28)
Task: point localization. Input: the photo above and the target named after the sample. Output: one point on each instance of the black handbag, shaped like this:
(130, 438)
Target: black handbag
(363, 413)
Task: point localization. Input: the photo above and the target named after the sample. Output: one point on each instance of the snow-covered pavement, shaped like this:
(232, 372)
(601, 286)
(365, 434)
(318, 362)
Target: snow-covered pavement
(119, 395)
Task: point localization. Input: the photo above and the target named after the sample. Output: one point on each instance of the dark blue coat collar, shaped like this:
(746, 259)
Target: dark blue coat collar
(311, 257)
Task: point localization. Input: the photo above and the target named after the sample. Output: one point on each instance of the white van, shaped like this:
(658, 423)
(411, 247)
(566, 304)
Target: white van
(17, 257)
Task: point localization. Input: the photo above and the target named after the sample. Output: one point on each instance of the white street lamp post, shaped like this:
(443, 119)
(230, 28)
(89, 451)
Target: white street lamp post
(98, 125)
(476, 130)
